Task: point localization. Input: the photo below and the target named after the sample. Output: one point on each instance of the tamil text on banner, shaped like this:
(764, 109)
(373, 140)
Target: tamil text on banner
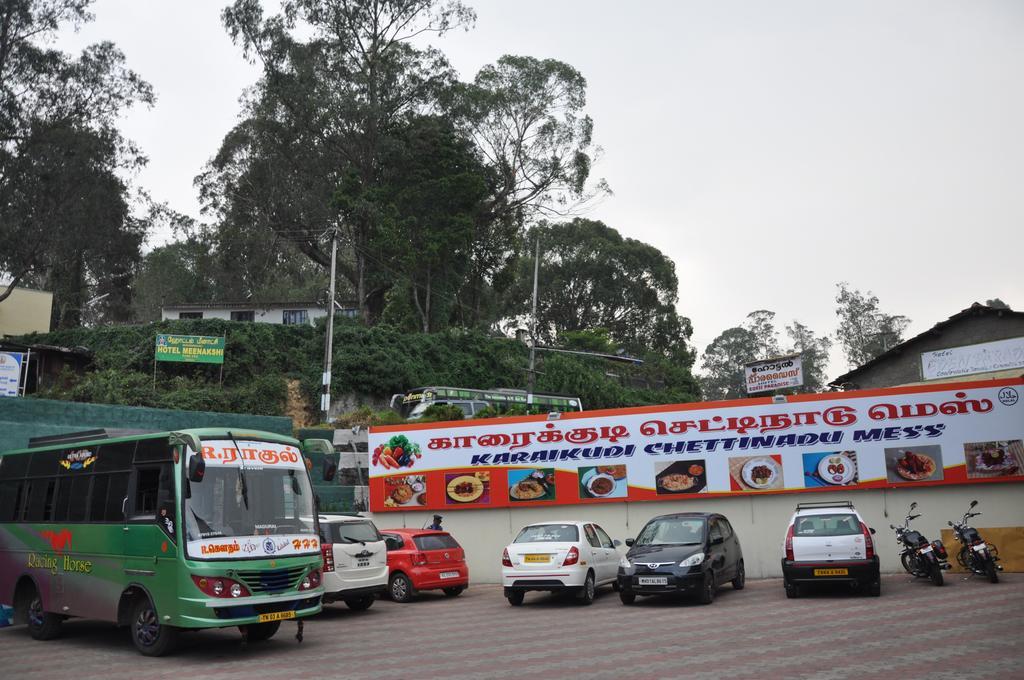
(10, 373)
(774, 374)
(199, 349)
(922, 435)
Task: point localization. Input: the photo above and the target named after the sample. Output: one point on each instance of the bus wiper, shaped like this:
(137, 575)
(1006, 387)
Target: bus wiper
(241, 472)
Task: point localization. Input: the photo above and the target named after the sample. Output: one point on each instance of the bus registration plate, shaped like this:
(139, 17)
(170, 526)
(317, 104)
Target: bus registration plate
(276, 616)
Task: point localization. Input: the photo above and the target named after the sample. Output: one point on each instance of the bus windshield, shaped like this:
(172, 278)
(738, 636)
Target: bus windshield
(253, 501)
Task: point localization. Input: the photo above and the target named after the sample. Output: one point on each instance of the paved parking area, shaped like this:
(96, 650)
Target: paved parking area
(966, 628)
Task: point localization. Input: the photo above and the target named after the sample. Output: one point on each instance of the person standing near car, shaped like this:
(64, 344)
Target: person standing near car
(436, 526)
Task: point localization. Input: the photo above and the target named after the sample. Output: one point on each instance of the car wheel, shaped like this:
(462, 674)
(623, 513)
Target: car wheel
(627, 597)
(515, 597)
(707, 591)
(453, 592)
(151, 637)
(741, 577)
(359, 604)
(401, 588)
(258, 632)
(589, 590)
(792, 590)
(42, 625)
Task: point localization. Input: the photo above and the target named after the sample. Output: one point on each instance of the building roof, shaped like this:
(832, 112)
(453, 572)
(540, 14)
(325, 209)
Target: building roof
(245, 304)
(976, 309)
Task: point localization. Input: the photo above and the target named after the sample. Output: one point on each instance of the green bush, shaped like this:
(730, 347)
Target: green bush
(436, 413)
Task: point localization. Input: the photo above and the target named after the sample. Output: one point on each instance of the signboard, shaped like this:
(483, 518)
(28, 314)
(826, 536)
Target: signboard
(200, 349)
(1001, 355)
(10, 373)
(774, 374)
(921, 435)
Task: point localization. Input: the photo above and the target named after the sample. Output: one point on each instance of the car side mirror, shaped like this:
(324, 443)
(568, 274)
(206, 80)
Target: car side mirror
(973, 503)
(196, 468)
(630, 542)
(913, 505)
(871, 529)
(616, 543)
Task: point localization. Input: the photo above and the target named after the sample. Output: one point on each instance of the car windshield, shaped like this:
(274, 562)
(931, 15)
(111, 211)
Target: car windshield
(672, 531)
(549, 533)
(354, 532)
(832, 524)
(268, 502)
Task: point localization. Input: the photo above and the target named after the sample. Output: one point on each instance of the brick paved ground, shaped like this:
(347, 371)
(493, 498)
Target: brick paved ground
(964, 629)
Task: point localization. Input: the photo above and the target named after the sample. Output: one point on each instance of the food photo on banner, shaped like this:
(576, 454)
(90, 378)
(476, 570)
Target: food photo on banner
(917, 435)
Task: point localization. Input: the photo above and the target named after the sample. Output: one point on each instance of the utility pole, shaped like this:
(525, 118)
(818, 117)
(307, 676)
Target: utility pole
(325, 396)
(532, 377)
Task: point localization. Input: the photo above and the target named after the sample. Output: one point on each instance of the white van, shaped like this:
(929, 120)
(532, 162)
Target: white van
(355, 560)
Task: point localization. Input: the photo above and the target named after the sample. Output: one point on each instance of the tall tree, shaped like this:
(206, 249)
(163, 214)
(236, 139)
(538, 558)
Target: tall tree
(814, 355)
(761, 324)
(339, 78)
(594, 278)
(864, 330)
(65, 217)
(996, 303)
(723, 376)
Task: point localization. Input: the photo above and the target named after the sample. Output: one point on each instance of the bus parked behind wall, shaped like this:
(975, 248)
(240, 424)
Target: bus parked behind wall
(160, 532)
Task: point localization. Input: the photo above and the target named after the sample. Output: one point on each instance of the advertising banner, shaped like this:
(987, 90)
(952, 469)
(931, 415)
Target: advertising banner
(774, 374)
(10, 373)
(198, 349)
(1000, 355)
(920, 435)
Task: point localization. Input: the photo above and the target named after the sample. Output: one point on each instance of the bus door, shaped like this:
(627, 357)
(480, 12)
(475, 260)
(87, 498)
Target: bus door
(149, 528)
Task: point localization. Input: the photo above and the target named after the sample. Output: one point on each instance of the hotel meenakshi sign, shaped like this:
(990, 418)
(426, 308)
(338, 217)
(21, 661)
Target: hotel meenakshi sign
(199, 349)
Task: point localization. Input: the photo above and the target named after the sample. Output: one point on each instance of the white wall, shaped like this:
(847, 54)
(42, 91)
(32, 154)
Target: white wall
(274, 315)
(760, 521)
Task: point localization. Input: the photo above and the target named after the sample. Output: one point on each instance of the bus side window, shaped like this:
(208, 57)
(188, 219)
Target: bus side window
(148, 482)
(10, 499)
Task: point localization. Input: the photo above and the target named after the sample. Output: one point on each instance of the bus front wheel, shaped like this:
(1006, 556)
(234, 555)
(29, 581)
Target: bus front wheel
(151, 637)
(42, 625)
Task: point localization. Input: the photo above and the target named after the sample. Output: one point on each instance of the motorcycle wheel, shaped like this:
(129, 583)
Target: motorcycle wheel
(908, 563)
(990, 571)
(936, 574)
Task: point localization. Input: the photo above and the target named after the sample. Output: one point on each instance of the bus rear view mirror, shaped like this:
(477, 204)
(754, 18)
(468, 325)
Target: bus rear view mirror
(330, 469)
(325, 448)
(196, 468)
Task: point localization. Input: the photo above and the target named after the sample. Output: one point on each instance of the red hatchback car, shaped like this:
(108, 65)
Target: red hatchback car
(423, 559)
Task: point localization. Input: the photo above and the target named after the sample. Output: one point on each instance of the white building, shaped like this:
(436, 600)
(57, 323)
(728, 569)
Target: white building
(263, 312)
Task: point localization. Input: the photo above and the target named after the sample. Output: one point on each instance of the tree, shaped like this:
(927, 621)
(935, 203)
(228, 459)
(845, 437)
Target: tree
(594, 278)
(65, 217)
(337, 95)
(724, 358)
(814, 355)
(761, 324)
(525, 116)
(864, 330)
(996, 303)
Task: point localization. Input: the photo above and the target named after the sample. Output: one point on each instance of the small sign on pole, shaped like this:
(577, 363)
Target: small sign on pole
(774, 374)
(11, 370)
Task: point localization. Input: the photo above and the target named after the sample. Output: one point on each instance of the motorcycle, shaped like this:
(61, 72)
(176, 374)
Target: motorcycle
(976, 556)
(919, 557)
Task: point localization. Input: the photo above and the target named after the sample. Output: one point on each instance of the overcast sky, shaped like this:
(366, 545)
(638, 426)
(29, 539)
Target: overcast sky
(771, 149)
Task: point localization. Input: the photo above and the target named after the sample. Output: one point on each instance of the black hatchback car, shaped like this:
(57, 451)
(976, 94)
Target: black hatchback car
(688, 552)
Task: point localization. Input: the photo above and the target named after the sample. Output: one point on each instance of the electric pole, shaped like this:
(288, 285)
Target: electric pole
(532, 377)
(325, 396)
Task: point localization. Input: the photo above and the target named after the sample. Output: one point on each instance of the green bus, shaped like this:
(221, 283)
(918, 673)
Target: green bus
(161, 532)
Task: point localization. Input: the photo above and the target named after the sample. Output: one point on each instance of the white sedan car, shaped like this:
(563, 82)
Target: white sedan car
(559, 556)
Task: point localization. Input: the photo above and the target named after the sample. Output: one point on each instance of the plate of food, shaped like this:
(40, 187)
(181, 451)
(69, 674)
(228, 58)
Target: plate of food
(536, 485)
(759, 473)
(465, 488)
(914, 466)
(599, 485)
(405, 491)
(683, 476)
(996, 458)
(837, 469)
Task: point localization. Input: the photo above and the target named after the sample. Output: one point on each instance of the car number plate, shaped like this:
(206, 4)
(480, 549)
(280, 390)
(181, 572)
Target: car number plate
(831, 572)
(926, 550)
(449, 574)
(653, 580)
(980, 547)
(276, 616)
(363, 563)
(536, 559)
